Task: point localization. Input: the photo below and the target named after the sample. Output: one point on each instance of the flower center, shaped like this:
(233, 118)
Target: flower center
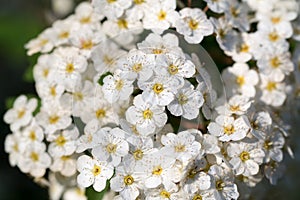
(70, 68)
(275, 62)
(268, 144)
(34, 156)
(182, 99)
(165, 194)
(64, 34)
(60, 140)
(193, 24)
(111, 148)
(180, 148)
(78, 96)
(32, 135)
(161, 15)
(275, 20)
(21, 113)
(220, 185)
(137, 67)
(119, 84)
(53, 91)
(53, 119)
(87, 44)
(192, 173)
(128, 180)
(147, 114)
(273, 37)
(244, 156)
(96, 170)
(122, 23)
(85, 20)
(138, 1)
(173, 69)
(240, 80)
(157, 170)
(100, 113)
(158, 88)
(229, 129)
(244, 48)
(271, 86)
(138, 154)
(197, 197)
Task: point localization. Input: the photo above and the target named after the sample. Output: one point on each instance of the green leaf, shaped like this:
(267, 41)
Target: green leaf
(9, 102)
(94, 195)
(100, 81)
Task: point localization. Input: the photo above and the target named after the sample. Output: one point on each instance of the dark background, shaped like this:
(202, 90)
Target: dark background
(21, 20)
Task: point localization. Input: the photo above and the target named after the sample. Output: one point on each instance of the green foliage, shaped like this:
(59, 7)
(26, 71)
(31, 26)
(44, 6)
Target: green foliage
(100, 81)
(94, 195)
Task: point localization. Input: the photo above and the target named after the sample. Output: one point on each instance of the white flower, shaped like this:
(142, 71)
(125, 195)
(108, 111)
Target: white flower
(99, 109)
(110, 145)
(21, 113)
(226, 36)
(66, 165)
(194, 179)
(245, 158)
(85, 141)
(123, 29)
(160, 15)
(175, 66)
(93, 172)
(158, 169)
(160, 89)
(43, 43)
(187, 102)
(240, 79)
(62, 30)
(35, 160)
(227, 128)
(32, 133)
(276, 63)
(218, 6)
(223, 182)
(273, 92)
(49, 90)
(182, 145)
(237, 16)
(193, 24)
(237, 104)
(146, 116)
(105, 55)
(75, 193)
(273, 144)
(117, 87)
(86, 16)
(156, 44)
(137, 63)
(69, 65)
(112, 8)
(12, 146)
(78, 99)
(86, 40)
(53, 117)
(42, 70)
(126, 181)
(62, 143)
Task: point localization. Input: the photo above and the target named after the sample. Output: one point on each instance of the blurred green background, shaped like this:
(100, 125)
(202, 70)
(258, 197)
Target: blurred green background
(21, 20)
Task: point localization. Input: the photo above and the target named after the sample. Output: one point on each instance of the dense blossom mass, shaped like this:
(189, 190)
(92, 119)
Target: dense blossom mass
(122, 98)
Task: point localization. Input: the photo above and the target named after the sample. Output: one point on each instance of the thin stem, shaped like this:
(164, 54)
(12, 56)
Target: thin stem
(205, 9)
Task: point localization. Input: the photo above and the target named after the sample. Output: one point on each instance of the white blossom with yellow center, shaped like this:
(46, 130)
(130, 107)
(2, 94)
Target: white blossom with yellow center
(93, 172)
(245, 158)
(146, 116)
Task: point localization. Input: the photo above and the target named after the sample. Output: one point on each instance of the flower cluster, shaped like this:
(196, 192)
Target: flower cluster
(126, 100)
